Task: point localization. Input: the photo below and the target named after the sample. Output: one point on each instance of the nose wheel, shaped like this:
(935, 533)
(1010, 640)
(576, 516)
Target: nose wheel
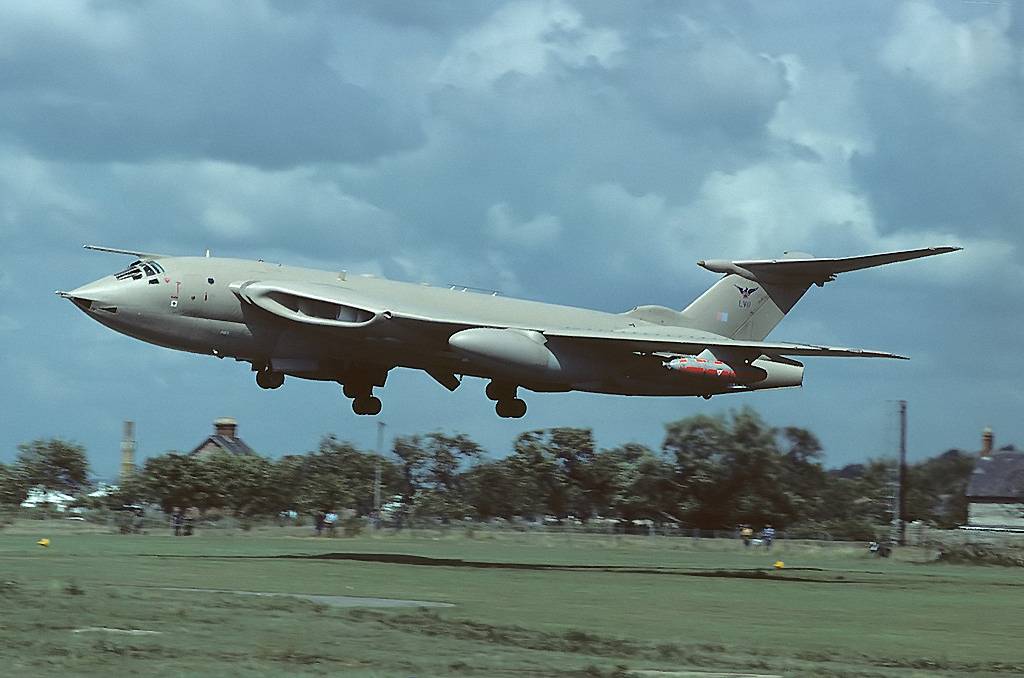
(269, 379)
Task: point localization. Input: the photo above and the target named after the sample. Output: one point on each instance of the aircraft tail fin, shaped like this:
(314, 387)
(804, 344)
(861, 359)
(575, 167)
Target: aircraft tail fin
(755, 295)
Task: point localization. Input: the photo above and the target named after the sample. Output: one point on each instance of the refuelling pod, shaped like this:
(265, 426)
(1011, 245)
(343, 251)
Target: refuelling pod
(509, 352)
(761, 374)
(706, 366)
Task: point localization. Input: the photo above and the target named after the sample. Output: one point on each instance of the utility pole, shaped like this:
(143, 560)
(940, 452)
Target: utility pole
(902, 488)
(376, 475)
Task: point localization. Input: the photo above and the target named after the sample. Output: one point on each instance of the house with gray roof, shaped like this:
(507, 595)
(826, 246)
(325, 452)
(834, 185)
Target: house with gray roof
(224, 439)
(995, 492)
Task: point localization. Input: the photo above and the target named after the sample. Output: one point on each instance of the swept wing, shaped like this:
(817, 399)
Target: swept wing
(343, 308)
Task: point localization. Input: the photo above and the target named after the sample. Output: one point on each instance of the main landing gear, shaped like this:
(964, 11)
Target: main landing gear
(267, 378)
(506, 404)
(363, 400)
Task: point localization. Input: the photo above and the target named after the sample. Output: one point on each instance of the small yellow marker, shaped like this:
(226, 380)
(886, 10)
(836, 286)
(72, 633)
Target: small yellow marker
(779, 564)
(43, 542)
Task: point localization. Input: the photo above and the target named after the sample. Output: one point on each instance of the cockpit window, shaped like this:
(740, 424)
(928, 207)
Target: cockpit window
(138, 270)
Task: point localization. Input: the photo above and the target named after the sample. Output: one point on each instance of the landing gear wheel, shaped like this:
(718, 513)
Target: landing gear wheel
(269, 379)
(367, 405)
(513, 408)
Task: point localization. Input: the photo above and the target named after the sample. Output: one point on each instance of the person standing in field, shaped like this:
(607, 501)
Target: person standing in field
(318, 522)
(191, 516)
(177, 520)
(330, 520)
(746, 534)
(768, 536)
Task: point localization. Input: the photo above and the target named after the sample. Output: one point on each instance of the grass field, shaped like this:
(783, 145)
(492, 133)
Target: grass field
(95, 603)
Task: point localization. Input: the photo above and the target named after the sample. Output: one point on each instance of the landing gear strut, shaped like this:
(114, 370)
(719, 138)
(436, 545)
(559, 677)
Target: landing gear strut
(267, 378)
(507, 405)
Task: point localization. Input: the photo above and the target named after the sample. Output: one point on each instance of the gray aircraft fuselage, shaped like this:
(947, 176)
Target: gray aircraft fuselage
(334, 326)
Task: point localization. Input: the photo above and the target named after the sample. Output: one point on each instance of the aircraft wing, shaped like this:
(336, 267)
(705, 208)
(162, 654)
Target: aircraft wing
(341, 307)
(655, 342)
(134, 253)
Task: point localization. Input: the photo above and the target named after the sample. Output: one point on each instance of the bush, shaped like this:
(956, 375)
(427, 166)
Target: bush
(981, 554)
(353, 526)
(838, 530)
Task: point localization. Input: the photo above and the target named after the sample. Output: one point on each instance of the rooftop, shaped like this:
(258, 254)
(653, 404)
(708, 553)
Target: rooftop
(999, 475)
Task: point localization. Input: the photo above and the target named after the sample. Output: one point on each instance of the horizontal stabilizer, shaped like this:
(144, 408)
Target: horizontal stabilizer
(812, 270)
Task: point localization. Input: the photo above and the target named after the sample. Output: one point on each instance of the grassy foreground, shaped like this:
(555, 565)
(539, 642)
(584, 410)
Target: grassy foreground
(524, 605)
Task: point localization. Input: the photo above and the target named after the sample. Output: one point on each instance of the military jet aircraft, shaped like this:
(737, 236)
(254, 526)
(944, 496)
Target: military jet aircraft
(332, 326)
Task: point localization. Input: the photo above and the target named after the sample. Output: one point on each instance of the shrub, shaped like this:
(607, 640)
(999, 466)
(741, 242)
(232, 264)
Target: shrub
(353, 526)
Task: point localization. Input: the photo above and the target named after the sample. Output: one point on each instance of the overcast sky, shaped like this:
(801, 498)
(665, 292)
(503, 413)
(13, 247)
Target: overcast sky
(585, 153)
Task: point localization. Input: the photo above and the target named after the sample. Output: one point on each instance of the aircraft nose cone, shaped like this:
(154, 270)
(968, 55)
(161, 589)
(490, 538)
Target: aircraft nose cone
(102, 292)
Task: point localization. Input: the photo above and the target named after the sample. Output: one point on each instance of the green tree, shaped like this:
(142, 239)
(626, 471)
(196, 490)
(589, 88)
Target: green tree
(336, 476)
(13, 488)
(554, 469)
(699, 448)
(732, 469)
(491, 490)
(632, 483)
(937, 489)
(171, 480)
(243, 484)
(429, 468)
(53, 464)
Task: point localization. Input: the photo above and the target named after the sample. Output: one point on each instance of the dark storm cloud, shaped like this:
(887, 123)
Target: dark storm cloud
(946, 161)
(690, 82)
(190, 81)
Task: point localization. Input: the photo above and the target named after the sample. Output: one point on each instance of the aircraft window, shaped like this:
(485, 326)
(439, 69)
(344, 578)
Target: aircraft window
(148, 269)
(209, 280)
(134, 272)
(154, 281)
(157, 267)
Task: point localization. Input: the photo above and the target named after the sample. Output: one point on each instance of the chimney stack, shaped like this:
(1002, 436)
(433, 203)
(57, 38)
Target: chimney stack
(225, 426)
(128, 452)
(986, 442)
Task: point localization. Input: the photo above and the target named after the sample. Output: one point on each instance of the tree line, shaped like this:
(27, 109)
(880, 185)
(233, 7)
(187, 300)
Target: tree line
(711, 472)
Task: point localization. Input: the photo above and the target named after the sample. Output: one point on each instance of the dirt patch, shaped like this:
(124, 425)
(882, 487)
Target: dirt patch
(332, 601)
(123, 632)
(405, 559)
